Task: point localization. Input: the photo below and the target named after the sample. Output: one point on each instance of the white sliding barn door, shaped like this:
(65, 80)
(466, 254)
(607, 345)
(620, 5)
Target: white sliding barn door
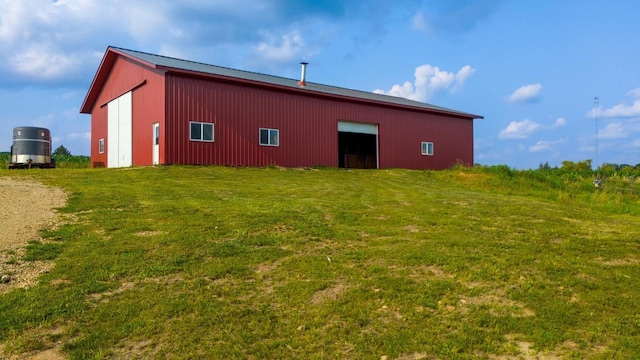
(112, 134)
(119, 132)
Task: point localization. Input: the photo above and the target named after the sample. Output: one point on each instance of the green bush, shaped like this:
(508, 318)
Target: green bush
(4, 159)
(72, 161)
(62, 161)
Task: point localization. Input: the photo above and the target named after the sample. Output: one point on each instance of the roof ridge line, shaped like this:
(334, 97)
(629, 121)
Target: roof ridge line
(185, 64)
(203, 63)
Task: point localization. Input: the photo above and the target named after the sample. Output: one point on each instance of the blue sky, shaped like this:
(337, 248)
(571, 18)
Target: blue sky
(531, 68)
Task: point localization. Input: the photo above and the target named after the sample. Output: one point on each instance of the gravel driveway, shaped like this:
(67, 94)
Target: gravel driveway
(25, 207)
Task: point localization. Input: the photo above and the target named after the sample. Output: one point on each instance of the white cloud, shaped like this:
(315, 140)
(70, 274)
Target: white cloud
(543, 145)
(540, 146)
(280, 49)
(45, 41)
(75, 136)
(519, 130)
(145, 25)
(43, 62)
(421, 23)
(587, 148)
(406, 90)
(430, 80)
(619, 110)
(560, 122)
(523, 129)
(526, 94)
(613, 131)
(43, 121)
(172, 51)
(482, 144)
(12, 25)
(453, 17)
(635, 93)
(462, 75)
(40, 40)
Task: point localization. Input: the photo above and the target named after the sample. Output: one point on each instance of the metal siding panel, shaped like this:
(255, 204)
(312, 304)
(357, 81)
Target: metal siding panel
(99, 120)
(308, 128)
(449, 135)
(148, 108)
(124, 130)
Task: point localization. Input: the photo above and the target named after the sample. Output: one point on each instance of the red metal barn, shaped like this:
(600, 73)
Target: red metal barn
(149, 109)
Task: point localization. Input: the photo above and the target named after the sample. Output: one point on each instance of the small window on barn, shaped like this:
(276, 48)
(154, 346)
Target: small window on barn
(101, 146)
(207, 132)
(427, 148)
(270, 137)
(200, 131)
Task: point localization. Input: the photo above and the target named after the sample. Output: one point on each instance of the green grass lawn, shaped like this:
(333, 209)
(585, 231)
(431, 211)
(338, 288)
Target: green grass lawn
(246, 263)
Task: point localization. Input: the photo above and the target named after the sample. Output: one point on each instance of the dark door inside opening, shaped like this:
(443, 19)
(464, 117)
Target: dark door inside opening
(357, 151)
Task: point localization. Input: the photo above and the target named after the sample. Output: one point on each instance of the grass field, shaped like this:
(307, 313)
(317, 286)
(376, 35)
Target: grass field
(213, 262)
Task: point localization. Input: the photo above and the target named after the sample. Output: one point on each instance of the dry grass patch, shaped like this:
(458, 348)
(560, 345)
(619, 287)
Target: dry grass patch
(389, 314)
(276, 229)
(145, 349)
(105, 296)
(412, 228)
(36, 344)
(171, 279)
(423, 271)
(21, 274)
(618, 262)
(524, 350)
(149, 233)
(414, 356)
(329, 294)
(266, 268)
(47, 354)
(498, 305)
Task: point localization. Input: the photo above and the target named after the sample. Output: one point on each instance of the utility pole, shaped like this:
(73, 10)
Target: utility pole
(596, 101)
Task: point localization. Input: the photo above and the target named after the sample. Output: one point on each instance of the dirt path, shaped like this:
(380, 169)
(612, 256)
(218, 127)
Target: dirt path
(25, 207)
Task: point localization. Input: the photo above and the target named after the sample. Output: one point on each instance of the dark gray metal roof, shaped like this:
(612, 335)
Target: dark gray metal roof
(186, 65)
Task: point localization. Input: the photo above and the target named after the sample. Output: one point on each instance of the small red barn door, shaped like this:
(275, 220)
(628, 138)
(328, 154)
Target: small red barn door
(156, 144)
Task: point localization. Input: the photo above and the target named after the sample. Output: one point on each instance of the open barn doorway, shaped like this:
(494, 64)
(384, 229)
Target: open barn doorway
(357, 145)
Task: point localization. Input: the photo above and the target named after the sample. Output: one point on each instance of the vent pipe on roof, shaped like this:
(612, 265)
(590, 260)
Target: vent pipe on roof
(303, 74)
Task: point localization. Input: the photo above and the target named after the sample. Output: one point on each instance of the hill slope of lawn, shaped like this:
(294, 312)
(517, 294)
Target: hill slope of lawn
(211, 262)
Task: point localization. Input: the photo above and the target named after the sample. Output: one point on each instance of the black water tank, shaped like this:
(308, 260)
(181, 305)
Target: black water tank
(31, 145)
